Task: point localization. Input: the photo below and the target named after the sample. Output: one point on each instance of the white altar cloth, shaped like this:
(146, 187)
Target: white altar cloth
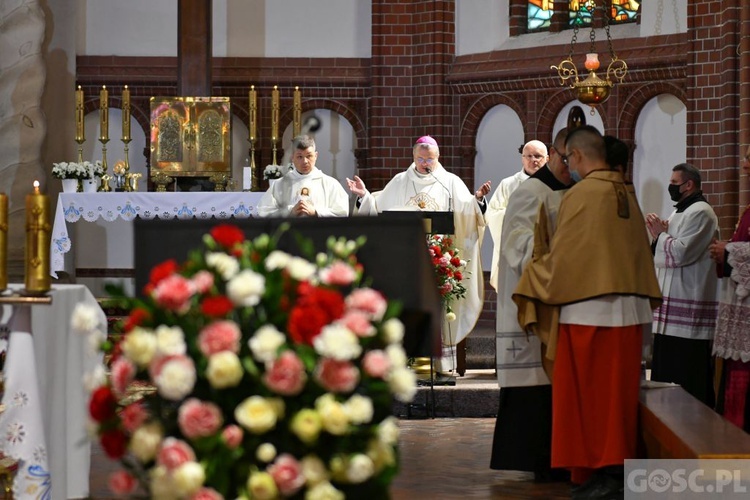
(46, 405)
(71, 207)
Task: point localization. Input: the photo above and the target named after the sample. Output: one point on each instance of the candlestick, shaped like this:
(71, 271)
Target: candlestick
(126, 114)
(3, 241)
(253, 113)
(80, 129)
(274, 114)
(104, 114)
(37, 242)
(297, 112)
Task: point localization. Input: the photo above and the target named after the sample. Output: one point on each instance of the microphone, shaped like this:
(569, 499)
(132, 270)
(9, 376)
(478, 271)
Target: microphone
(450, 197)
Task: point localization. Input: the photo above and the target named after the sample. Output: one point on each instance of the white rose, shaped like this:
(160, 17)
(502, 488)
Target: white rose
(256, 414)
(359, 409)
(188, 478)
(224, 370)
(139, 346)
(225, 264)
(396, 355)
(338, 342)
(300, 269)
(403, 384)
(393, 331)
(266, 452)
(360, 468)
(277, 260)
(314, 470)
(176, 379)
(95, 378)
(95, 340)
(388, 430)
(332, 415)
(450, 316)
(161, 484)
(265, 343)
(246, 288)
(324, 491)
(382, 454)
(84, 318)
(170, 341)
(145, 441)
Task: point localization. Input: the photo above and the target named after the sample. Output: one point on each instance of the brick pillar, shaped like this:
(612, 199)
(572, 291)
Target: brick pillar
(412, 48)
(713, 101)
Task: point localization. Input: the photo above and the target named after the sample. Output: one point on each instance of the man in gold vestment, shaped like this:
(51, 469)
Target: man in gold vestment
(587, 298)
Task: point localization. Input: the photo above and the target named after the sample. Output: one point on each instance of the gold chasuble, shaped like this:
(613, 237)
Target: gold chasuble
(599, 208)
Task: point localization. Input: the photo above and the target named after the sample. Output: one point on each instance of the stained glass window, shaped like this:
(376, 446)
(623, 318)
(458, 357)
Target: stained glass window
(540, 14)
(581, 12)
(624, 11)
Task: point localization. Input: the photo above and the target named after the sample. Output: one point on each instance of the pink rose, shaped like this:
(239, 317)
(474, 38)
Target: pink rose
(286, 375)
(207, 494)
(123, 373)
(337, 376)
(173, 453)
(359, 323)
(376, 363)
(198, 419)
(133, 416)
(219, 336)
(286, 472)
(232, 436)
(122, 483)
(338, 273)
(368, 301)
(173, 293)
(203, 281)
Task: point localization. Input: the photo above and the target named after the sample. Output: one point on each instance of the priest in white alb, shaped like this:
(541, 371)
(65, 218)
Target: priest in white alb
(304, 190)
(427, 186)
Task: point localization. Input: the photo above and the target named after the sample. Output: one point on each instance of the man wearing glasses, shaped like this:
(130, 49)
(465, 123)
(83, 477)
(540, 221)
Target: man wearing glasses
(427, 186)
(534, 156)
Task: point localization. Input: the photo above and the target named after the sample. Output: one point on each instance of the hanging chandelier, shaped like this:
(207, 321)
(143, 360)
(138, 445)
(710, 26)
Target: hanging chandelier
(592, 90)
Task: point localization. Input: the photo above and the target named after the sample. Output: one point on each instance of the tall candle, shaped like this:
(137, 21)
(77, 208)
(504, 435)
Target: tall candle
(126, 114)
(253, 113)
(104, 114)
(297, 112)
(80, 129)
(3, 241)
(38, 232)
(274, 114)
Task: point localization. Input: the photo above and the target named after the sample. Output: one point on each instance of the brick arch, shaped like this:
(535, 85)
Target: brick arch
(351, 115)
(475, 113)
(637, 99)
(553, 106)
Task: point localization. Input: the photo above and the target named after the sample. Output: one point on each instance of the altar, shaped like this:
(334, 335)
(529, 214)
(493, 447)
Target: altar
(96, 228)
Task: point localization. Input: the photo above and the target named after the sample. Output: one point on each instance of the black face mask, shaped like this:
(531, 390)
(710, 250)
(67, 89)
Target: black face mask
(674, 191)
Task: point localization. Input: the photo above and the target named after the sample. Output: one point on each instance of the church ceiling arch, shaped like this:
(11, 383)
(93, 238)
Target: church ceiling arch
(637, 99)
(352, 116)
(476, 111)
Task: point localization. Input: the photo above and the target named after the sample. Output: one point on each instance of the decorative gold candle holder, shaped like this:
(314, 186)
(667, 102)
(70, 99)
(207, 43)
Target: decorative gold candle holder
(161, 180)
(219, 181)
(104, 154)
(38, 235)
(80, 142)
(255, 178)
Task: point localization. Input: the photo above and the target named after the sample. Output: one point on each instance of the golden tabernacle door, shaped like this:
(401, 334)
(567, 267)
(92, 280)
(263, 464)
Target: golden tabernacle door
(190, 136)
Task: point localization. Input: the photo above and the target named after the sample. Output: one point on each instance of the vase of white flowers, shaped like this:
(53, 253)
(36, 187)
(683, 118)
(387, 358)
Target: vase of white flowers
(74, 174)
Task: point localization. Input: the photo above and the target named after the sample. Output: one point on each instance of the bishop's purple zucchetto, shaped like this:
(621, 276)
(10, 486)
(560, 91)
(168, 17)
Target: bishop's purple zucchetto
(426, 139)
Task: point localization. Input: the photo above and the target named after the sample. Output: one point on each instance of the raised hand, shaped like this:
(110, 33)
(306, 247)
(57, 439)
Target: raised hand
(356, 186)
(483, 190)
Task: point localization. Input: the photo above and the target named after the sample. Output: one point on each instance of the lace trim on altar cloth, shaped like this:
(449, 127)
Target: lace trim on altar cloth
(739, 259)
(732, 339)
(129, 211)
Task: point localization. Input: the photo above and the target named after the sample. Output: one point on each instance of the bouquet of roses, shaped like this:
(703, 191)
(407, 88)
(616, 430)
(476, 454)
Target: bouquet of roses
(272, 172)
(80, 171)
(259, 374)
(449, 270)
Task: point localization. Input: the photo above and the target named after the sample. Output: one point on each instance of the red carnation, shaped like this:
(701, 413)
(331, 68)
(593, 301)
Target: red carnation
(458, 275)
(456, 261)
(216, 307)
(227, 235)
(315, 308)
(103, 404)
(114, 443)
(161, 271)
(136, 318)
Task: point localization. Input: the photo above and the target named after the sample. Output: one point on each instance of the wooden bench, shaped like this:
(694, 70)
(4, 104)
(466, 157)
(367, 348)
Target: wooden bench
(674, 424)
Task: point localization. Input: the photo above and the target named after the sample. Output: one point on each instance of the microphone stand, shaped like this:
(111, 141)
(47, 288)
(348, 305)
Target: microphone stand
(450, 196)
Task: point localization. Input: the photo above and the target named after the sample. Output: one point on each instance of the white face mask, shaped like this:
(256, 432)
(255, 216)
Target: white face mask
(575, 175)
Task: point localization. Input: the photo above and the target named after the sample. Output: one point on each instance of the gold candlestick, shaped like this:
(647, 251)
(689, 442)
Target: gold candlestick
(253, 114)
(126, 114)
(104, 114)
(38, 233)
(274, 119)
(80, 123)
(297, 112)
(3, 241)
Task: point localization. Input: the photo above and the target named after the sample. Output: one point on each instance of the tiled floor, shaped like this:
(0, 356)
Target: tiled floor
(442, 459)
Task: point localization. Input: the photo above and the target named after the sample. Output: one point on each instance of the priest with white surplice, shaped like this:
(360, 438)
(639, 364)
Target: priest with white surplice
(525, 400)
(304, 191)
(427, 186)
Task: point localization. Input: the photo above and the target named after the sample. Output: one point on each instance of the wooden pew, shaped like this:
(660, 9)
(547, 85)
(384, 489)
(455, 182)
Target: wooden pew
(674, 424)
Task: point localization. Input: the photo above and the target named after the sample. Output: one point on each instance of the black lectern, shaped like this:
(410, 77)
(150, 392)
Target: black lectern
(434, 222)
(394, 257)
